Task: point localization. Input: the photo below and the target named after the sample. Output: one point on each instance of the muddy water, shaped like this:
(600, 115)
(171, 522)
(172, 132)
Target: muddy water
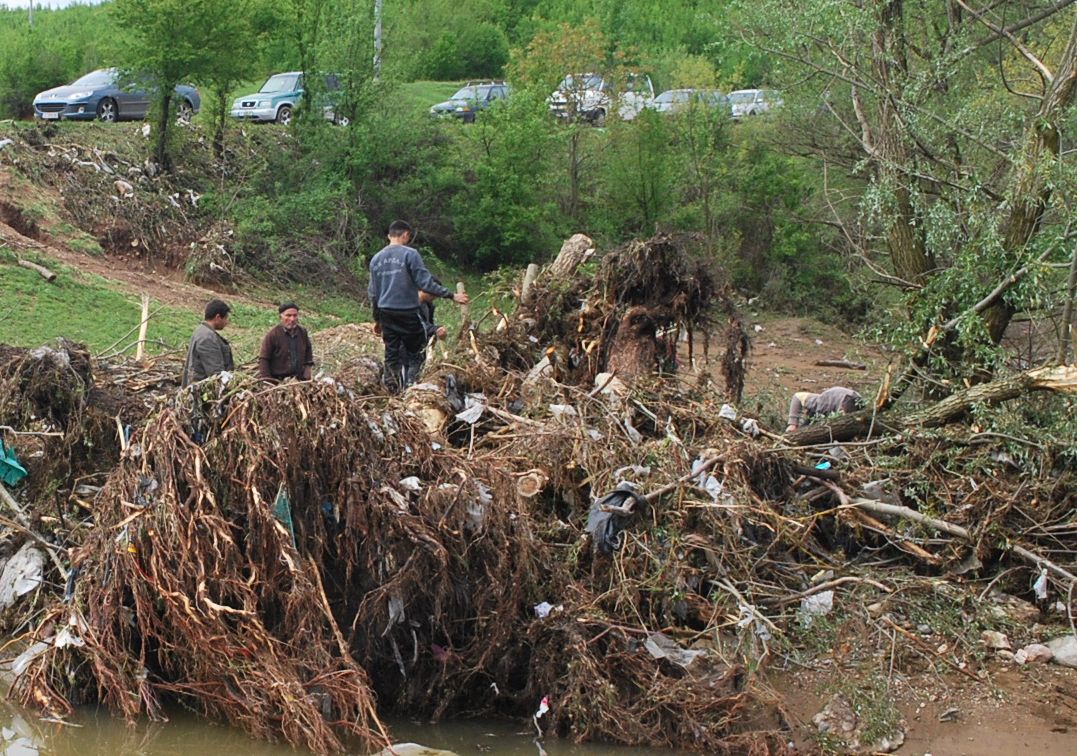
(95, 733)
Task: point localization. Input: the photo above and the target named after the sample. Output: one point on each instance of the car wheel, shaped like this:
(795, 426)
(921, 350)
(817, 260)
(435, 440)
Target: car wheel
(184, 111)
(284, 115)
(599, 118)
(107, 111)
(342, 120)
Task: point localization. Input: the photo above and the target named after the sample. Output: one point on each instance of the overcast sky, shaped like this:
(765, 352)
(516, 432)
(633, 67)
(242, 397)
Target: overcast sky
(48, 3)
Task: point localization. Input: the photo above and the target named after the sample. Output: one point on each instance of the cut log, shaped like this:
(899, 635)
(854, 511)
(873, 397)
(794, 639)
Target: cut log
(41, 270)
(574, 252)
(529, 279)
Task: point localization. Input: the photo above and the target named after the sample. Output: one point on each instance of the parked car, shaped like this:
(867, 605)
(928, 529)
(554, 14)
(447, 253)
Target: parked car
(676, 100)
(750, 102)
(278, 98)
(105, 95)
(471, 98)
(591, 97)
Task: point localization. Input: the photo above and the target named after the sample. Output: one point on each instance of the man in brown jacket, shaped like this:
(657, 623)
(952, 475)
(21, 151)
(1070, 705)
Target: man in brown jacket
(286, 350)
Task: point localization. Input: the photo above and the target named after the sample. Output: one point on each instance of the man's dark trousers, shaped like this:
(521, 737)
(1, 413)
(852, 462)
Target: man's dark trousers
(405, 344)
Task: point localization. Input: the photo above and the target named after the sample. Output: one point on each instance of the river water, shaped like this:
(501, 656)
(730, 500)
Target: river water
(94, 733)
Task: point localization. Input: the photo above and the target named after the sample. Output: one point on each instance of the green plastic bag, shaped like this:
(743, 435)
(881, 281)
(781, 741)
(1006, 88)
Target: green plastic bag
(282, 510)
(11, 472)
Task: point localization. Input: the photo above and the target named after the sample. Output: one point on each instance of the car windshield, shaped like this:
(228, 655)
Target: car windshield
(466, 93)
(673, 95)
(100, 78)
(280, 83)
(581, 81)
(742, 98)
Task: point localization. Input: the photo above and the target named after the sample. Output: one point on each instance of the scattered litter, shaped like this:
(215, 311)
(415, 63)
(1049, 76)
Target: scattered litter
(662, 646)
(1033, 653)
(757, 328)
(817, 605)
(1040, 586)
(751, 427)
(543, 610)
(727, 412)
(22, 574)
(995, 640)
(609, 516)
(950, 715)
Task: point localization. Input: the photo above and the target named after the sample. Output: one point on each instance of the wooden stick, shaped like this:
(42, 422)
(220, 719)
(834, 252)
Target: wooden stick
(41, 270)
(842, 364)
(142, 326)
(465, 310)
(926, 647)
(896, 510)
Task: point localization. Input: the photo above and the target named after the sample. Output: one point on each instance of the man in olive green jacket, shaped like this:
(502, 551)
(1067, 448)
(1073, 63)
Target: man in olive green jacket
(209, 352)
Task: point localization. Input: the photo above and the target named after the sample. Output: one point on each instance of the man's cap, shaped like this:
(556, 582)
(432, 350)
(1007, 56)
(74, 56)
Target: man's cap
(288, 306)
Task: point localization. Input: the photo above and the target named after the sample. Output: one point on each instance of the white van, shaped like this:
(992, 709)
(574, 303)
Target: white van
(592, 97)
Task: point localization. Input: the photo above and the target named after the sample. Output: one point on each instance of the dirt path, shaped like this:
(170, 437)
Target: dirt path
(1031, 710)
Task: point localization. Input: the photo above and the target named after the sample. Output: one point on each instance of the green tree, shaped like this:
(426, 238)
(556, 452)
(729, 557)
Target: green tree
(166, 42)
(951, 117)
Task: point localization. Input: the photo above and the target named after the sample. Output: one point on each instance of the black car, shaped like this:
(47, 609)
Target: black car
(470, 99)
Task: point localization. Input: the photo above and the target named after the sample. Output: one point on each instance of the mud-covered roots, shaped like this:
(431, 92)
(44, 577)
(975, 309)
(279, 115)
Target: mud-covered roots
(627, 318)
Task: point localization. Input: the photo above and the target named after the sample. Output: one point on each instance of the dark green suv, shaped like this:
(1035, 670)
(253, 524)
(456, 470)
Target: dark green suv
(470, 99)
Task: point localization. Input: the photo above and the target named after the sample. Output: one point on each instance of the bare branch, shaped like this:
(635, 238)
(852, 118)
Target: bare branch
(1044, 71)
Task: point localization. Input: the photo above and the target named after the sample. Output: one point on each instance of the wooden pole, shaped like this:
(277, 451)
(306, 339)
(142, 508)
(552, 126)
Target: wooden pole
(142, 326)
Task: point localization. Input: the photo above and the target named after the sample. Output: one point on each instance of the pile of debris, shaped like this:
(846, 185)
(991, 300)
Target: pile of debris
(539, 531)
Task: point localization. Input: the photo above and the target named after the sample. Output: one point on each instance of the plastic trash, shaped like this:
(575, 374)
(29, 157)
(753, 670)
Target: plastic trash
(609, 516)
(727, 412)
(663, 647)
(11, 471)
(22, 574)
(1040, 586)
(751, 427)
(817, 605)
(545, 609)
(282, 511)
(824, 465)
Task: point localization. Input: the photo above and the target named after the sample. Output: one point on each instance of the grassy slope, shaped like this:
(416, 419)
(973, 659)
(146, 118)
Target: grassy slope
(100, 313)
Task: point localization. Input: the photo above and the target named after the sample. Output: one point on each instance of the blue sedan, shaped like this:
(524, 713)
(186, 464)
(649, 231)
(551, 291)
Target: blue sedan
(101, 95)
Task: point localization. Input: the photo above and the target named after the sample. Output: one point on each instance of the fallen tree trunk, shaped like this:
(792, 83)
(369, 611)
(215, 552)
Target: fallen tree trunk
(41, 270)
(574, 252)
(1062, 379)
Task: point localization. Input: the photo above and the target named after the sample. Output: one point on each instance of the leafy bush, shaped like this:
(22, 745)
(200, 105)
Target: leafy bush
(477, 51)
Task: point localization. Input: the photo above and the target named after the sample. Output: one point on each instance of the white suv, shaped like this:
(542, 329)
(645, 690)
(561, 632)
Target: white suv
(592, 97)
(749, 102)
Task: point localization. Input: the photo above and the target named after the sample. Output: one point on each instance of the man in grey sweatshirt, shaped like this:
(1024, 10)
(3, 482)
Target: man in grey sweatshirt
(397, 273)
(837, 399)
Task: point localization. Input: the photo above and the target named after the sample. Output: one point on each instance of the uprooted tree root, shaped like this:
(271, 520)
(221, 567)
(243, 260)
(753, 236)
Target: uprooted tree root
(193, 587)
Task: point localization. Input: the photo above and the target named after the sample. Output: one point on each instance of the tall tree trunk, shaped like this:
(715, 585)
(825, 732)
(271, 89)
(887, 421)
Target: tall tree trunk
(1030, 190)
(904, 237)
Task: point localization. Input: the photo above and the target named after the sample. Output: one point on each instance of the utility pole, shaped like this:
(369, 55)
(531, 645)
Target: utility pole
(377, 39)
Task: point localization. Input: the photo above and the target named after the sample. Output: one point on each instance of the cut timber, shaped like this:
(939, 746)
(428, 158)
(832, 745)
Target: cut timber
(574, 252)
(41, 270)
(529, 279)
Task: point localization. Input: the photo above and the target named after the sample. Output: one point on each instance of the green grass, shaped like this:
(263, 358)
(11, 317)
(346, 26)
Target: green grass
(94, 311)
(420, 95)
